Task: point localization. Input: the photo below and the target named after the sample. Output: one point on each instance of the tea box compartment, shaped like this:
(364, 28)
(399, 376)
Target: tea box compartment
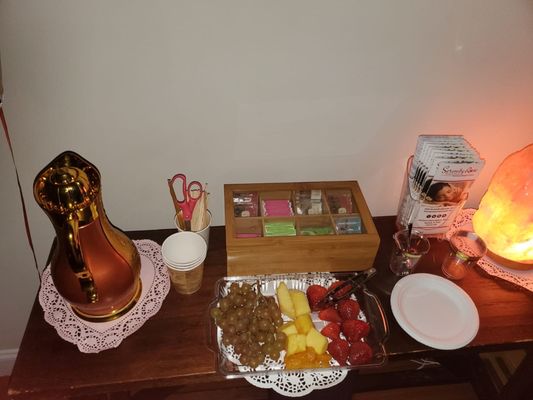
(298, 227)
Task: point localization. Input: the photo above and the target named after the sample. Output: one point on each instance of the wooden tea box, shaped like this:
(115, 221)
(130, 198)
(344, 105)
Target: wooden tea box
(274, 228)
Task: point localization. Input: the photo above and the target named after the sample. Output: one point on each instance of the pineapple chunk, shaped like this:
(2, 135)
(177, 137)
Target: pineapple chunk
(284, 300)
(296, 343)
(317, 341)
(299, 300)
(289, 328)
(304, 323)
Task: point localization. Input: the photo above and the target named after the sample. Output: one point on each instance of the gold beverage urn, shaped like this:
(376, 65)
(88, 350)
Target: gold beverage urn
(95, 267)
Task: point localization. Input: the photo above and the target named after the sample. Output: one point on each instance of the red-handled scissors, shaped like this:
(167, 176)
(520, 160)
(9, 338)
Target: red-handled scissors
(191, 193)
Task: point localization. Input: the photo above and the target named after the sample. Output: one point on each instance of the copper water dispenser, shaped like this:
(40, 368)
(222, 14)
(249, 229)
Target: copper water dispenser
(95, 267)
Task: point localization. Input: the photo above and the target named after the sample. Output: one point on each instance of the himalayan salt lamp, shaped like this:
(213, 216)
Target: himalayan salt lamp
(505, 216)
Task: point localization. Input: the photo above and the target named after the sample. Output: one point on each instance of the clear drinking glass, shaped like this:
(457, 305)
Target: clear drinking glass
(466, 248)
(407, 251)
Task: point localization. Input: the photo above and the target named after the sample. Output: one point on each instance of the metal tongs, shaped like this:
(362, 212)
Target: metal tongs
(355, 283)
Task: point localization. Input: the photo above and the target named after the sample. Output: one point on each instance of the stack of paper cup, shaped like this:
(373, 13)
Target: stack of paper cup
(184, 254)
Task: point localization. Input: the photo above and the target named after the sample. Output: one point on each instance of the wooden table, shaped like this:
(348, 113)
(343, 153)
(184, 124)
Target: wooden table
(168, 354)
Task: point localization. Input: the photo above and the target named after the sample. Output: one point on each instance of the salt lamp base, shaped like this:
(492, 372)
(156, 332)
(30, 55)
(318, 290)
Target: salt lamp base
(504, 262)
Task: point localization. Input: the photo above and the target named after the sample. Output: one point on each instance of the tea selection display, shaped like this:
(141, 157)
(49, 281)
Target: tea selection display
(312, 212)
(286, 227)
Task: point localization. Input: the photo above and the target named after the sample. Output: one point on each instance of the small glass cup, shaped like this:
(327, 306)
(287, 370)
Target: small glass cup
(466, 248)
(407, 251)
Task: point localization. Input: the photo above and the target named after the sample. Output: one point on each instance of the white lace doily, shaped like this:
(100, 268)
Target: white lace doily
(93, 337)
(518, 277)
(296, 384)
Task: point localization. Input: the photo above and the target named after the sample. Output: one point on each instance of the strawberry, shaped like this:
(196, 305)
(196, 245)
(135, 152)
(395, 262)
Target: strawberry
(331, 330)
(315, 293)
(360, 353)
(348, 309)
(330, 314)
(339, 349)
(354, 329)
(341, 292)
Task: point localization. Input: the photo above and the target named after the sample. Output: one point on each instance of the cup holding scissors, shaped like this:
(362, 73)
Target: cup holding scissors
(189, 195)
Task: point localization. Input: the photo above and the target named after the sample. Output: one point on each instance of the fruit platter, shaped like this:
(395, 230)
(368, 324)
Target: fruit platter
(266, 324)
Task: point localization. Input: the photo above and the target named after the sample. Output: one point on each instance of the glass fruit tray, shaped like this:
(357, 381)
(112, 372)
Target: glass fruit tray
(371, 312)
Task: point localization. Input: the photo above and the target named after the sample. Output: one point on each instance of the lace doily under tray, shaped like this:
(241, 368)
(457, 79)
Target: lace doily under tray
(93, 337)
(519, 277)
(297, 384)
(302, 382)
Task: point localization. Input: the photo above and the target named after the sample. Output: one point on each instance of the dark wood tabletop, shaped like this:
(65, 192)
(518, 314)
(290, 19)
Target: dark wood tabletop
(170, 350)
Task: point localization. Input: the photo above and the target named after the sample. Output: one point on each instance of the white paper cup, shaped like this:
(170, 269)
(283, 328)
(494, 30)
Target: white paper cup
(187, 281)
(184, 254)
(203, 233)
(183, 248)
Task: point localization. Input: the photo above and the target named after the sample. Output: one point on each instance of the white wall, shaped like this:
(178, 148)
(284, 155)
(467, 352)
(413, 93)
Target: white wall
(247, 91)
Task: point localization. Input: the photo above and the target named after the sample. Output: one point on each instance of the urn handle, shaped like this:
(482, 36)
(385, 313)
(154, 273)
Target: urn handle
(75, 258)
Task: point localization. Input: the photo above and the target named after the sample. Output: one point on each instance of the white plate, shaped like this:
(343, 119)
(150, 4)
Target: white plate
(434, 311)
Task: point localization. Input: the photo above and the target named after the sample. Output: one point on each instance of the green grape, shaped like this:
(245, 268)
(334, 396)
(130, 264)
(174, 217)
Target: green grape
(264, 314)
(264, 325)
(254, 362)
(226, 340)
(249, 305)
(232, 337)
(234, 287)
(274, 354)
(242, 324)
(269, 338)
(244, 359)
(247, 351)
(274, 313)
(278, 346)
(230, 330)
(267, 348)
(260, 336)
(222, 322)
(240, 338)
(239, 300)
(238, 348)
(215, 313)
(246, 336)
(251, 296)
(241, 312)
(255, 347)
(232, 317)
(261, 353)
(225, 304)
(246, 288)
(254, 327)
(231, 298)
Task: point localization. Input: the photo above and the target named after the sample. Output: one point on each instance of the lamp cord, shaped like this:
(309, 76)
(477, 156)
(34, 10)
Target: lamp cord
(24, 212)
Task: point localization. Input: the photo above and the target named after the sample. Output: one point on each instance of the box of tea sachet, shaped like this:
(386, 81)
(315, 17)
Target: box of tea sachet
(298, 227)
